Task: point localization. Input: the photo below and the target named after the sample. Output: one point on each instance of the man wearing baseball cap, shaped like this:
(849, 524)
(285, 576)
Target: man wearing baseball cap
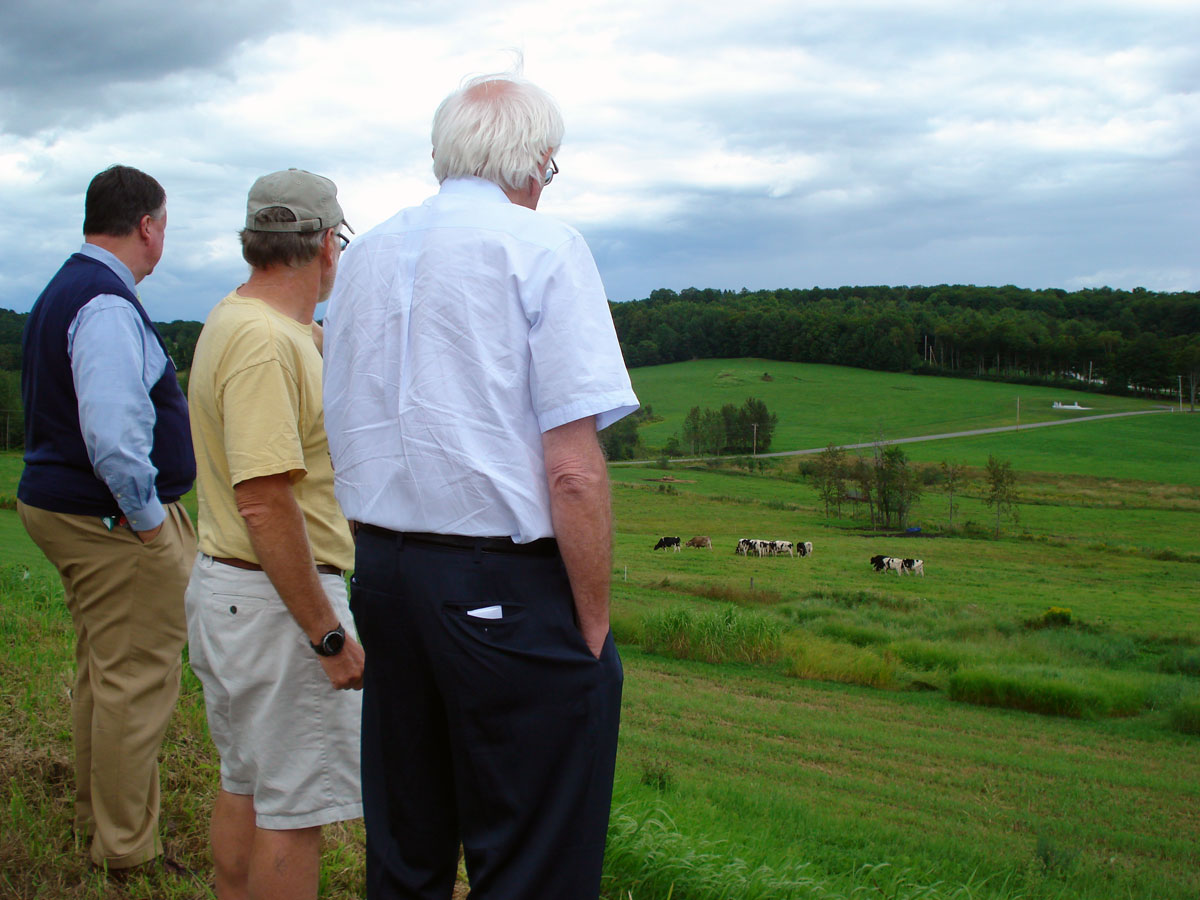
(269, 628)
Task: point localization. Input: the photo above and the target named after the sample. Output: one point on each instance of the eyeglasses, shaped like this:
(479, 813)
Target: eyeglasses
(341, 237)
(551, 171)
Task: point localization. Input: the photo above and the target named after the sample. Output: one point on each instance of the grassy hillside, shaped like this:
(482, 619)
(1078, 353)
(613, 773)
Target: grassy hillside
(1159, 449)
(807, 728)
(818, 405)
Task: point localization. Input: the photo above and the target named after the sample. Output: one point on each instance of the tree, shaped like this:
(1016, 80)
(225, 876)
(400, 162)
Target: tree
(12, 418)
(896, 486)
(620, 439)
(759, 423)
(831, 477)
(952, 474)
(691, 429)
(1001, 489)
(712, 432)
(863, 475)
(1187, 360)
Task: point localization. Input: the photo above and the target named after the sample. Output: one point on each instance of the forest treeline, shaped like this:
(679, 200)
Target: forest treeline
(1094, 339)
(1100, 338)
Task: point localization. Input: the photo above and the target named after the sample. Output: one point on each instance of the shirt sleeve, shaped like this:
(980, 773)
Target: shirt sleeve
(260, 409)
(113, 372)
(576, 365)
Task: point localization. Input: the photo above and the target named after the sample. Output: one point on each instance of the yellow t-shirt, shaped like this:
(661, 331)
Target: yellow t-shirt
(254, 395)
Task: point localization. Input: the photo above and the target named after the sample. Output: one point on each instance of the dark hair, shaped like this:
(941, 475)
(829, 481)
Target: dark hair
(117, 199)
(279, 248)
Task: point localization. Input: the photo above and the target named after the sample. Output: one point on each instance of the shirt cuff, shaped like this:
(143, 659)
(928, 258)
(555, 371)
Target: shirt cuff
(148, 517)
(607, 408)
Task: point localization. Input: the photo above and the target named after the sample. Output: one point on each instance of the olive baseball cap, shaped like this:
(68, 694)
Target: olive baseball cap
(311, 198)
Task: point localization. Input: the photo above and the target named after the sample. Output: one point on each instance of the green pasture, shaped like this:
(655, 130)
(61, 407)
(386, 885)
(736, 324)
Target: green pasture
(948, 789)
(861, 735)
(1162, 448)
(818, 404)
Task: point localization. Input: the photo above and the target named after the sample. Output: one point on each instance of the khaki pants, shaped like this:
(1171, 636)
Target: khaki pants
(126, 603)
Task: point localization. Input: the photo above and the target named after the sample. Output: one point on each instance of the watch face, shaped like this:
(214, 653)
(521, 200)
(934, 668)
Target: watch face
(333, 642)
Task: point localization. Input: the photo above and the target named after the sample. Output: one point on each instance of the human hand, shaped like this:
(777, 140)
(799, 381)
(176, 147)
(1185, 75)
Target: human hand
(147, 536)
(595, 637)
(346, 669)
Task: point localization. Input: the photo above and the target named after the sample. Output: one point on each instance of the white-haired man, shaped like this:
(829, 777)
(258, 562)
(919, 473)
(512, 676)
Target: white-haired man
(470, 359)
(268, 581)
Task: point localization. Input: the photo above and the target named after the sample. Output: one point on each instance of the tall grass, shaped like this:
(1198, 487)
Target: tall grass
(1078, 693)
(820, 659)
(649, 859)
(928, 655)
(726, 634)
(1185, 716)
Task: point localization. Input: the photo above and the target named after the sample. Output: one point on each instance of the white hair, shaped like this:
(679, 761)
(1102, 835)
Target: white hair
(497, 127)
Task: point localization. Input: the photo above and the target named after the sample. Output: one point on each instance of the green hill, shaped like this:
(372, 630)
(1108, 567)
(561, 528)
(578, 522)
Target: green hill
(820, 405)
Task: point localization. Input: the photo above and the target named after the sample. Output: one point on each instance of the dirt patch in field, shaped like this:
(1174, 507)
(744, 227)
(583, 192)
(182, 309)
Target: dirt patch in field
(670, 479)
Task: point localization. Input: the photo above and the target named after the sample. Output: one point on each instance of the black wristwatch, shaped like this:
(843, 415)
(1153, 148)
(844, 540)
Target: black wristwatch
(332, 643)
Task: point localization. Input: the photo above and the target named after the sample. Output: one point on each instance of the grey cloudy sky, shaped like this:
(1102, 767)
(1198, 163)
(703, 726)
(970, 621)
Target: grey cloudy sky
(757, 144)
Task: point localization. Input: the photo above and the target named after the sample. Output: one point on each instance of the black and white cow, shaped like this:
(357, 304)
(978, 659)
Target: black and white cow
(886, 563)
(667, 543)
(804, 548)
(912, 567)
(778, 548)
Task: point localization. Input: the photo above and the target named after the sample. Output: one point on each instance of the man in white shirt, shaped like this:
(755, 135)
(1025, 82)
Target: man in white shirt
(470, 360)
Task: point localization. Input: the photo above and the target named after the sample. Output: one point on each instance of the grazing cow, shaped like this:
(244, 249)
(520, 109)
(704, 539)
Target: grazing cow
(778, 548)
(701, 543)
(667, 543)
(804, 548)
(884, 563)
(743, 547)
(760, 548)
(912, 567)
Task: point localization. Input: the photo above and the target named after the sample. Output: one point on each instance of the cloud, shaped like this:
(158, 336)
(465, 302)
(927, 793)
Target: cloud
(764, 144)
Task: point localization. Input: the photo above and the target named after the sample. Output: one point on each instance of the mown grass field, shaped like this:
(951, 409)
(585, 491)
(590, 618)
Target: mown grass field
(860, 735)
(818, 405)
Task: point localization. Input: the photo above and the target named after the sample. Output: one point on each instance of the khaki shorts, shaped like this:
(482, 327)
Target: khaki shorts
(285, 735)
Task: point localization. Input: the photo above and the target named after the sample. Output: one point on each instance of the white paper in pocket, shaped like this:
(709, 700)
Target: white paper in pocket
(487, 612)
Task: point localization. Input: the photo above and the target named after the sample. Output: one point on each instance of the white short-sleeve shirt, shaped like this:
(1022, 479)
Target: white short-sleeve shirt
(458, 331)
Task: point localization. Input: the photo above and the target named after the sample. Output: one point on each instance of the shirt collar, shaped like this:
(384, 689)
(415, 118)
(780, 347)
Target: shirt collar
(476, 188)
(91, 251)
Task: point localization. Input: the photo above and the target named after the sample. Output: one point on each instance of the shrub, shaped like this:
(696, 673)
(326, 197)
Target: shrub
(1054, 617)
(657, 774)
(728, 634)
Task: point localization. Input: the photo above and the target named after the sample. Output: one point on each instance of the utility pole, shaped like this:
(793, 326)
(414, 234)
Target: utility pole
(1181, 393)
(1018, 414)
(754, 425)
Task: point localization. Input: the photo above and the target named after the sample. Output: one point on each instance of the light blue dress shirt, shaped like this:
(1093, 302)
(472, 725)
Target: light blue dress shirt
(115, 361)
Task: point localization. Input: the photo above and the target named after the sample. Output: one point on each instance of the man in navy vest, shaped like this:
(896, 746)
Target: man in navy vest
(108, 454)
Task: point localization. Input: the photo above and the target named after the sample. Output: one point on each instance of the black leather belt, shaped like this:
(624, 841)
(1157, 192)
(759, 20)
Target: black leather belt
(255, 567)
(540, 547)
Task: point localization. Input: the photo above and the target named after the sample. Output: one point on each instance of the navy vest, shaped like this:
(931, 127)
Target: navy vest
(58, 475)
